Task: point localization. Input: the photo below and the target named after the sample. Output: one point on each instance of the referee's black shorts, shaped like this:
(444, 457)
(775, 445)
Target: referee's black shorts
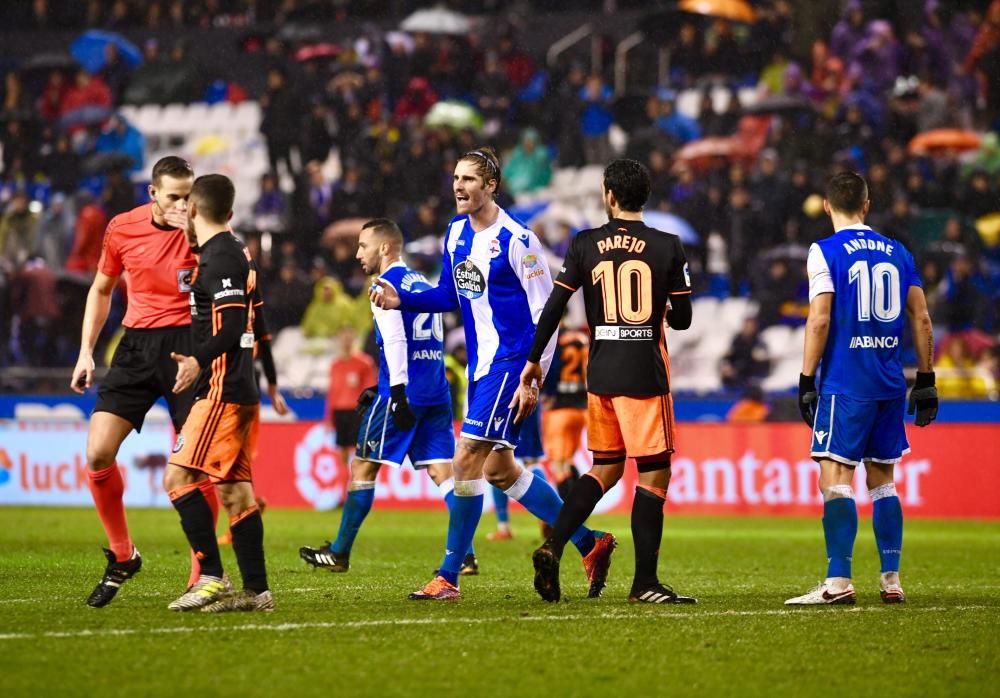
(142, 371)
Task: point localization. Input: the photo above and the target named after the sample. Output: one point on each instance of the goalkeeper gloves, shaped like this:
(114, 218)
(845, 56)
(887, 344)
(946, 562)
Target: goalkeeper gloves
(808, 399)
(924, 399)
(402, 415)
(366, 399)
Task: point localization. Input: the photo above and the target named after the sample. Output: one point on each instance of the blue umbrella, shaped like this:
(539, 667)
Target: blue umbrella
(669, 223)
(527, 212)
(88, 49)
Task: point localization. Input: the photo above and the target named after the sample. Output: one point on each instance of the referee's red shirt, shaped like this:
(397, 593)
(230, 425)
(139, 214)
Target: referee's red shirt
(157, 264)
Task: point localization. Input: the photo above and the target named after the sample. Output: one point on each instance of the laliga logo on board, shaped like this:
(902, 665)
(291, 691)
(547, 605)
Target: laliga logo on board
(6, 466)
(319, 476)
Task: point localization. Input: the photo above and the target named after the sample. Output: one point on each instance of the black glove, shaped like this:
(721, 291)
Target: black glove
(924, 399)
(365, 399)
(808, 399)
(402, 415)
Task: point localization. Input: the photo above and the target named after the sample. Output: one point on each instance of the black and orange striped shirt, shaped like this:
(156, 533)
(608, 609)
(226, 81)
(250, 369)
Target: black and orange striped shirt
(224, 298)
(628, 272)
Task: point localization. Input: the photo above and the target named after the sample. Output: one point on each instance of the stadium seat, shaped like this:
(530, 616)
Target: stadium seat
(776, 338)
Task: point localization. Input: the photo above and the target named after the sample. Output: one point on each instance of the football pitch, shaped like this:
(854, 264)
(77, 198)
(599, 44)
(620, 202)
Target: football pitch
(356, 634)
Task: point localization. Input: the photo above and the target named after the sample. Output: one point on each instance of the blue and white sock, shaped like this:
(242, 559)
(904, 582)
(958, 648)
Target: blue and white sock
(447, 488)
(360, 495)
(538, 497)
(501, 502)
(887, 520)
(463, 518)
(840, 527)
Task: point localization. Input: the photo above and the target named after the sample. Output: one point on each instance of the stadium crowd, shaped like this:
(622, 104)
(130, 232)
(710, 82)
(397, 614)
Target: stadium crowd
(856, 101)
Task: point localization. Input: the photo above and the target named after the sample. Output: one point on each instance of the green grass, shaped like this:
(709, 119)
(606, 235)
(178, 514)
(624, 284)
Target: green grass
(356, 634)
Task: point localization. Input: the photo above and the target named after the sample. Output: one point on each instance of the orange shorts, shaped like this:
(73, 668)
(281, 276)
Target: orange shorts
(641, 427)
(219, 439)
(562, 431)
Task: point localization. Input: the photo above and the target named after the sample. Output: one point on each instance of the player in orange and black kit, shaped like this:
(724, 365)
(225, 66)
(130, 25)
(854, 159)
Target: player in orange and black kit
(146, 245)
(565, 401)
(217, 441)
(628, 273)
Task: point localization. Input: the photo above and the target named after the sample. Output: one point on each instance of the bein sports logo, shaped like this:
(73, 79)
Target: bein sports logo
(319, 476)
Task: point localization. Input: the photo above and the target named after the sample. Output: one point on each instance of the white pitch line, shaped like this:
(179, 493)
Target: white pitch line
(147, 595)
(282, 627)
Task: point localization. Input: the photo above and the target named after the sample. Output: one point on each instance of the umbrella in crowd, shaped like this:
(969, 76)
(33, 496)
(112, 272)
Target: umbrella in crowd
(51, 60)
(437, 20)
(316, 52)
(453, 115)
(101, 163)
(86, 116)
(779, 104)
(674, 224)
(89, 49)
(705, 153)
(734, 10)
(950, 139)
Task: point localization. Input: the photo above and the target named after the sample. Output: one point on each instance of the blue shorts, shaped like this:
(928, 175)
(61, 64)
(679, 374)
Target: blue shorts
(431, 440)
(530, 445)
(489, 418)
(852, 431)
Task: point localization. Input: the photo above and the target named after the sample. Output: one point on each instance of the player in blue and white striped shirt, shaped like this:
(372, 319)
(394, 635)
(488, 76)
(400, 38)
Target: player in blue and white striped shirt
(494, 269)
(409, 411)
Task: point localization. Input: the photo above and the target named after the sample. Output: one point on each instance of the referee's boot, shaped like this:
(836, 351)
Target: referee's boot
(115, 574)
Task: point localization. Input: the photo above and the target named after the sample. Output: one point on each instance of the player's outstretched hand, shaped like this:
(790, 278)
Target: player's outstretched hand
(383, 295)
(83, 374)
(187, 372)
(277, 400)
(402, 415)
(924, 399)
(526, 397)
(808, 399)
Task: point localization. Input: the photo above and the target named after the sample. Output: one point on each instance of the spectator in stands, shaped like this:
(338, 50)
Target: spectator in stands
(280, 120)
(317, 132)
(747, 361)
(681, 129)
(849, 32)
(723, 54)
(493, 91)
(350, 197)
(288, 297)
(35, 305)
(565, 105)
(15, 100)
(271, 208)
(777, 295)
(416, 101)
(88, 95)
(119, 136)
(964, 303)
(687, 55)
(330, 311)
(51, 100)
(529, 166)
(17, 229)
(54, 238)
(88, 235)
(741, 229)
(967, 366)
(62, 166)
(977, 199)
(751, 408)
(118, 195)
(320, 191)
(115, 72)
(595, 121)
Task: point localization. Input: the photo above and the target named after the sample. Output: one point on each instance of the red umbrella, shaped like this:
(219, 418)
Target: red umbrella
(951, 139)
(706, 153)
(314, 52)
